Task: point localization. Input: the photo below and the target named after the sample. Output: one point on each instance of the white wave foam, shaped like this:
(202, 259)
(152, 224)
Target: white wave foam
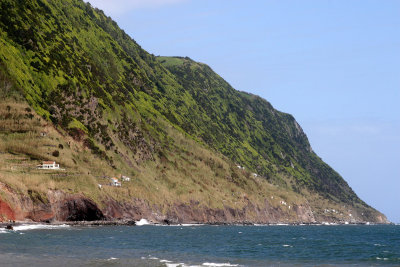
(142, 222)
(212, 264)
(25, 227)
(169, 263)
(112, 258)
(385, 259)
(181, 225)
(174, 264)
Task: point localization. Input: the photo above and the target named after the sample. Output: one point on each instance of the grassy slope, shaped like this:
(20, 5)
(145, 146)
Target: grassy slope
(188, 173)
(156, 119)
(250, 131)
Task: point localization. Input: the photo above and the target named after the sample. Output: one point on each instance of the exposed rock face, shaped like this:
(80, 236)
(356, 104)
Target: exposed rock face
(60, 206)
(73, 207)
(194, 212)
(6, 213)
(57, 207)
(304, 213)
(181, 213)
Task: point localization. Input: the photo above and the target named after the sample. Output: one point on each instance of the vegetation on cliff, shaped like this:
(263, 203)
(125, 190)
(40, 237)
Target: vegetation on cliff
(108, 107)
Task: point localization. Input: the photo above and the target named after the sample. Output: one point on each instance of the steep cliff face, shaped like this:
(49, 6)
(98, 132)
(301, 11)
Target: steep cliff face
(62, 207)
(248, 130)
(79, 91)
(56, 206)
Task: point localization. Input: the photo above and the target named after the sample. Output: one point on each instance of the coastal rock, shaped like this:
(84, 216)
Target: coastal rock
(80, 209)
(67, 207)
(58, 206)
(6, 213)
(304, 213)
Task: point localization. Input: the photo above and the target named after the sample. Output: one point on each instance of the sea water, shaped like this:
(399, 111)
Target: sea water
(204, 245)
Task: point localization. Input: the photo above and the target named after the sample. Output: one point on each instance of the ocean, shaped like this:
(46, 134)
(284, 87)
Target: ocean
(201, 245)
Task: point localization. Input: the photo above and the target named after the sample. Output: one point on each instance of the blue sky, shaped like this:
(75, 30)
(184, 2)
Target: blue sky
(334, 65)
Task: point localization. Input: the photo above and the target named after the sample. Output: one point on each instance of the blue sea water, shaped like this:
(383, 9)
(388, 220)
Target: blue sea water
(149, 245)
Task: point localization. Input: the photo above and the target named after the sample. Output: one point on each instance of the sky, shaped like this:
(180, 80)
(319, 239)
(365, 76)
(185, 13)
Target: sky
(334, 65)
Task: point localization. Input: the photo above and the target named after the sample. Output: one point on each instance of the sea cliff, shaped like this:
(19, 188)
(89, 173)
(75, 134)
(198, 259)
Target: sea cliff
(78, 91)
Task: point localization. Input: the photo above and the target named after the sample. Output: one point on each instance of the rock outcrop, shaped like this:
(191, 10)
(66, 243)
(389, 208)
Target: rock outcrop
(58, 206)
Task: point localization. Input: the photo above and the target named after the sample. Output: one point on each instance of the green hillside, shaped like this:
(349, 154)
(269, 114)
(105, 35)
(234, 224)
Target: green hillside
(171, 123)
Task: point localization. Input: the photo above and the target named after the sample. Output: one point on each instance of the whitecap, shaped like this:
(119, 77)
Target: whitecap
(112, 258)
(3, 231)
(174, 264)
(183, 224)
(218, 264)
(142, 222)
(25, 227)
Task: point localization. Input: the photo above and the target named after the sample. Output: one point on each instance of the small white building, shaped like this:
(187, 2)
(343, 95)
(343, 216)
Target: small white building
(49, 165)
(125, 178)
(115, 182)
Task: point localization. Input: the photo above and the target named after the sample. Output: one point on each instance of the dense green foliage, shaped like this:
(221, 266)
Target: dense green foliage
(77, 68)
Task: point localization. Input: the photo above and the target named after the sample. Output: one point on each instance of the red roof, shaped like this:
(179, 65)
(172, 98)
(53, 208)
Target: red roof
(49, 162)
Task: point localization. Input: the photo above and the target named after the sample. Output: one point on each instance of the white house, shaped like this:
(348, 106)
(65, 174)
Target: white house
(114, 182)
(49, 165)
(125, 178)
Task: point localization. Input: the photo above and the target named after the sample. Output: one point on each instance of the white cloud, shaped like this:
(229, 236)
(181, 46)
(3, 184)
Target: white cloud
(118, 7)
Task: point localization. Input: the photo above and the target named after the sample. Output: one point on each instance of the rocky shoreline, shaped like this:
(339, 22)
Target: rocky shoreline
(6, 225)
(76, 209)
